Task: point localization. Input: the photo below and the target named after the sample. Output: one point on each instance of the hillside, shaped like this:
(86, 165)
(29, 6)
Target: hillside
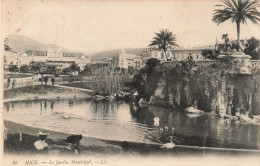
(113, 53)
(20, 43)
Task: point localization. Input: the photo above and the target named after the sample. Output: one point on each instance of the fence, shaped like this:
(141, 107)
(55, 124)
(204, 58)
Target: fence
(22, 82)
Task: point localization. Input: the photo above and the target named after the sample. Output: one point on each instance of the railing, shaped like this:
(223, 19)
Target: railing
(255, 63)
(22, 82)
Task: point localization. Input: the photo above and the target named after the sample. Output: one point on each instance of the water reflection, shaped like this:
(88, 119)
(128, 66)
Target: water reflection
(128, 121)
(52, 105)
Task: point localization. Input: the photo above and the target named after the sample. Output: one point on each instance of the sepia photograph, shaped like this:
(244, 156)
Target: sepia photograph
(143, 82)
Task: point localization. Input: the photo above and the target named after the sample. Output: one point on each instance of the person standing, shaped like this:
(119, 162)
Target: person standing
(41, 79)
(13, 84)
(52, 81)
(46, 80)
(8, 82)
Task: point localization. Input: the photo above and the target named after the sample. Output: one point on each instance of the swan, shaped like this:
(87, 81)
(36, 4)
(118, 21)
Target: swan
(160, 130)
(156, 119)
(169, 145)
(166, 128)
(192, 110)
(173, 129)
(21, 136)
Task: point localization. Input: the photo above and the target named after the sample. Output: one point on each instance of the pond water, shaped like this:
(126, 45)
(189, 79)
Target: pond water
(119, 120)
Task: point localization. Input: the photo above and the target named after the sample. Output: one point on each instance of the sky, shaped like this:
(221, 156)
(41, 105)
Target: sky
(93, 26)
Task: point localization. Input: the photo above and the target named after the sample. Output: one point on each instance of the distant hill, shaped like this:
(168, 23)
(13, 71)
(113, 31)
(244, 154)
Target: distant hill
(113, 53)
(20, 43)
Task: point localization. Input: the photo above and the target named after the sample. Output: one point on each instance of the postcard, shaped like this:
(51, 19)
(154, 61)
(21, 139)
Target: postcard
(144, 82)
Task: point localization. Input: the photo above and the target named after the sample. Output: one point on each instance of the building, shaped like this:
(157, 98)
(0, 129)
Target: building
(154, 52)
(126, 60)
(190, 53)
(11, 58)
(175, 53)
(54, 56)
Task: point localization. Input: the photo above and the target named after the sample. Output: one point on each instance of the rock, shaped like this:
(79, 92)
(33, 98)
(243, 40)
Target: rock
(157, 101)
(142, 101)
(247, 119)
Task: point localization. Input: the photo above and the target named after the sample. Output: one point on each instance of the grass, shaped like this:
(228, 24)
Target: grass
(84, 85)
(38, 90)
(16, 75)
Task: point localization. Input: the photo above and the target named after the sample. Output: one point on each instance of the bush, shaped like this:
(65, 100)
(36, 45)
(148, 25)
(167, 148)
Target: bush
(13, 68)
(24, 69)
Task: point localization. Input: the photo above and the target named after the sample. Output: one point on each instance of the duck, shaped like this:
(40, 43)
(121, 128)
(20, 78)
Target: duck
(66, 116)
(169, 145)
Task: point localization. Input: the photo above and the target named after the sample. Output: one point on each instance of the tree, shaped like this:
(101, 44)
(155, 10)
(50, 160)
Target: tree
(51, 70)
(37, 66)
(253, 49)
(131, 70)
(226, 40)
(24, 69)
(6, 45)
(74, 67)
(88, 69)
(13, 68)
(150, 65)
(209, 54)
(238, 11)
(163, 40)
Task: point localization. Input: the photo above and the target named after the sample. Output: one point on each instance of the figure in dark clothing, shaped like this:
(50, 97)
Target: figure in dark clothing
(8, 82)
(52, 81)
(46, 80)
(125, 147)
(13, 84)
(41, 79)
(73, 144)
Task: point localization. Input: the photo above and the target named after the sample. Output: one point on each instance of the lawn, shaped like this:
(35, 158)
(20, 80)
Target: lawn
(17, 75)
(84, 85)
(42, 91)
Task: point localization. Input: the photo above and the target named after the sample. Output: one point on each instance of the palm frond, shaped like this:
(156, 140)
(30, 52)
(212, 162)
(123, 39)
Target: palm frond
(163, 39)
(237, 11)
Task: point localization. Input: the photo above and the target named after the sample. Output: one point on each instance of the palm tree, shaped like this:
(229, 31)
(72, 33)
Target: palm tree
(238, 11)
(226, 39)
(163, 40)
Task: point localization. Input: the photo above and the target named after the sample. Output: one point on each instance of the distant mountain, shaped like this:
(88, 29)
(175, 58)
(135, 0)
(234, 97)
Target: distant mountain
(20, 43)
(113, 53)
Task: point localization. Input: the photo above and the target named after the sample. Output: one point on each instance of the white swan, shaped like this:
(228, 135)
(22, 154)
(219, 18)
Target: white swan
(166, 128)
(160, 130)
(169, 145)
(192, 110)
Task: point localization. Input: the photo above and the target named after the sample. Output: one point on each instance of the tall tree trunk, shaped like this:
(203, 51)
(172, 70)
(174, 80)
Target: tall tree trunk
(238, 35)
(164, 55)
(249, 111)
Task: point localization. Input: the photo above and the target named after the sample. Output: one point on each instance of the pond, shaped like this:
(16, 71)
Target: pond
(118, 120)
